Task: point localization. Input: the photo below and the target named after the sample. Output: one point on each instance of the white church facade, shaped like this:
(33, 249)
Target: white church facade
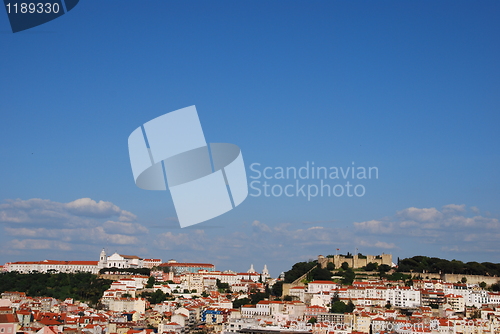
(120, 261)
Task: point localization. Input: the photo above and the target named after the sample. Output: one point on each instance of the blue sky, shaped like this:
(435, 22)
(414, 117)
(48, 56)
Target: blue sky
(409, 87)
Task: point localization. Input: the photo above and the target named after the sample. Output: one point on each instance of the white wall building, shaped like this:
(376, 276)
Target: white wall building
(124, 261)
(128, 305)
(53, 266)
(403, 297)
(319, 286)
(298, 293)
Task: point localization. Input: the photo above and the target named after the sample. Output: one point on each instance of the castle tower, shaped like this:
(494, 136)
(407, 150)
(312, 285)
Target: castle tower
(103, 260)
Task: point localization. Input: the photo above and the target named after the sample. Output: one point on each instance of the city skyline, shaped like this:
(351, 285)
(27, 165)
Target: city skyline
(408, 88)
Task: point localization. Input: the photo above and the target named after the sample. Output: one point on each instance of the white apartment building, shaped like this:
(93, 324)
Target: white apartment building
(403, 297)
(477, 298)
(397, 296)
(319, 286)
(471, 297)
(128, 305)
(193, 283)
(150, 263)
(263, 308)
(52, 266)
(456, 302)
(321, 299)
(494, 298)
(298, 293)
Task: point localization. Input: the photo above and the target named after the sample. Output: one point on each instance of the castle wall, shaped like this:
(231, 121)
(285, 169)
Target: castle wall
(355, 261)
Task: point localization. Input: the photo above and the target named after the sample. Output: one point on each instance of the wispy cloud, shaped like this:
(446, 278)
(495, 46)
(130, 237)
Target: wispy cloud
(36, 210)
(449, 226)
(45, 224)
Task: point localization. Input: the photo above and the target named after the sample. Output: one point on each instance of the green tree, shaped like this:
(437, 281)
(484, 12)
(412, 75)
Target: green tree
(330, 266)
(79, 286)
(222, 287)
(398, 277)
(350, 306)
(437, 265)
(277, 289)
(320, 274)
(338, 307)
(383, 268)
(257, 297)
(298, 269)
(138, 271)
(335, 297)
(151, 282)
(237, 303)
(348, 276)
(344, 265)
(482, 285)
(157, 297)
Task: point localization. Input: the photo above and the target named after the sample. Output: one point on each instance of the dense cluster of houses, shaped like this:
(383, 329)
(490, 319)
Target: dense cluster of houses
(456, 296)
(197, 298)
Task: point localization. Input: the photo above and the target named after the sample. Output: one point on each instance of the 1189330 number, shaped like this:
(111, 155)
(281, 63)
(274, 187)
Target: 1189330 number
(33, 8)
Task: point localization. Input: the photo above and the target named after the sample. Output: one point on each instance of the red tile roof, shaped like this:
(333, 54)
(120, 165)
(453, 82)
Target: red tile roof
(53, 262)
(179, 264)
(8, 318)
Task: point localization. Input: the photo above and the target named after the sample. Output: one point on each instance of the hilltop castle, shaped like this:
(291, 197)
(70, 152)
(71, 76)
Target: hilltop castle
(355, 261)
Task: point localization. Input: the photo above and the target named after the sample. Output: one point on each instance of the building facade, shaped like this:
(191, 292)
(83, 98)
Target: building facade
(179, 268)
(93, 267)
(48, 266)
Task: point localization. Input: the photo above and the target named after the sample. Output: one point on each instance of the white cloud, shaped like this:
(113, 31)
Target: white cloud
(431, 226)
(39, 244)
(376, 244)
(261, 227)
(454, 208)
(381, 244)
(375, 226)
(194, 241)
(420, 215)
(45, 224)
(124, 228)
(38, 210)
(95, 235)
(256, 240)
